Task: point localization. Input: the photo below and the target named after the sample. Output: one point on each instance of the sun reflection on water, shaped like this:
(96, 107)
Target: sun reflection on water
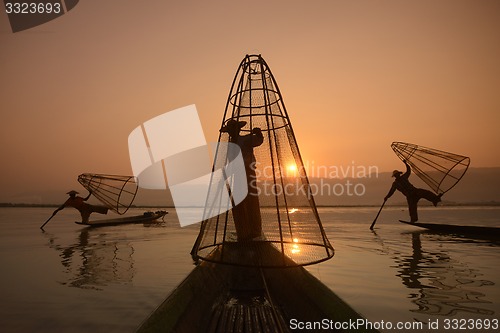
(295, 247)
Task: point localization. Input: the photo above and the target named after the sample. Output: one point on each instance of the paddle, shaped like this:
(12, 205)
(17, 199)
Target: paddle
(376, 217)
(43, 225)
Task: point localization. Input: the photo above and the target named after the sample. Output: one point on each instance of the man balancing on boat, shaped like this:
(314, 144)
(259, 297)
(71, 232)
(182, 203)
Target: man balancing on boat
(84, 208)
(412, 194)
(247, 218)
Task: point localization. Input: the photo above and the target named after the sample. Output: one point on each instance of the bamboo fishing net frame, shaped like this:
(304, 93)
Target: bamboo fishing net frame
(439, 169)
(256, 99)
(115, 191)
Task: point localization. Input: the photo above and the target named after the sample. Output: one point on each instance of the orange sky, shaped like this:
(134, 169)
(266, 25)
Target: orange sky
(355, 76)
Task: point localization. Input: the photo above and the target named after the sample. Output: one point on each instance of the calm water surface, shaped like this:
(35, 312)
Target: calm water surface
(75, 279)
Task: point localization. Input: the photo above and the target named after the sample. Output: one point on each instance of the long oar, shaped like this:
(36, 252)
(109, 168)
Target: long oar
(43, 225)
(376, 217)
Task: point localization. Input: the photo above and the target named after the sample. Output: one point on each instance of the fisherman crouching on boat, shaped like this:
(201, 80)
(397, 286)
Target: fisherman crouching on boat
(412, 194)
(84, 208)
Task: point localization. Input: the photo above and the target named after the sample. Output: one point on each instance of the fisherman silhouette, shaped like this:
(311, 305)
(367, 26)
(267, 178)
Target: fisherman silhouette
(84, 208)
(246, 214)
(412, 194)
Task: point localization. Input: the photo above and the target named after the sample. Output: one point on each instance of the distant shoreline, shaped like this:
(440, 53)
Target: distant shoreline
(31, 205)
(445, 204)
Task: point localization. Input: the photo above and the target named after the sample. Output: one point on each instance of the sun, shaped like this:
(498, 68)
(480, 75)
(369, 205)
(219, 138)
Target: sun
(291, 170)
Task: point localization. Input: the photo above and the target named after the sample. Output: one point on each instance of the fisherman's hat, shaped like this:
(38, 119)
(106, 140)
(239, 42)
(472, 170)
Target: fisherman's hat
(232, 124)
(396, 172)
(72, 192)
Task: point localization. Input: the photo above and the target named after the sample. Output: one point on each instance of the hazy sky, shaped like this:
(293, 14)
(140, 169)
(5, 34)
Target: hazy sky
(355, 76)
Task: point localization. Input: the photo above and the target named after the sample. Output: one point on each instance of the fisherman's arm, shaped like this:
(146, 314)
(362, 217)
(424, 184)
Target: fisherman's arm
(59, 208)
(257, 137)
(88, 196)
(408, 170)
(391, 192)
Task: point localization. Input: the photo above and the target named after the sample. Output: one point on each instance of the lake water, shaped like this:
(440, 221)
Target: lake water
(69, 278)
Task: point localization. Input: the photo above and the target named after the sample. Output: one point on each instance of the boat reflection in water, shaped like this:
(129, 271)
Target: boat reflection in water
(440, 284)
(94, 260)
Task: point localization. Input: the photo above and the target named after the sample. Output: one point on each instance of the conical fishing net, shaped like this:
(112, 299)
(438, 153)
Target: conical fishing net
(277, 224)
(116, 192)
(439, 169)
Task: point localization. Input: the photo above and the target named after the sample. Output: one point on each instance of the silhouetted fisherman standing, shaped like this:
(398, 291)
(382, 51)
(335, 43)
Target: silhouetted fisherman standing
(246, 214)
(412, 194)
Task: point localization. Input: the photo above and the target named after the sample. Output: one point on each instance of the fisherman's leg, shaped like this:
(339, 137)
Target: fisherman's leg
(254, 220)
(100, 209)
(85, 215)
(250, 224)
(412, 208)
(240, 218)
(430, 196)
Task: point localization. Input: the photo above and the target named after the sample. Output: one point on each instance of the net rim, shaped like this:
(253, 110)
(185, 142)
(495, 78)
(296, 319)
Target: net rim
(330, 252)
(457, 179)
(240, 93)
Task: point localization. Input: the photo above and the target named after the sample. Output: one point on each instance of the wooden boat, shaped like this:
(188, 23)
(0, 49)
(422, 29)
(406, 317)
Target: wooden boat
(227, 298)
(247, 280)
(490, 232)
(147, 217)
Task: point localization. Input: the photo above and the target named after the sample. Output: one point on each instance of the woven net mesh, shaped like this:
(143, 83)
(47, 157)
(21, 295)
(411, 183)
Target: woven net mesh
(439, 169)
(277, 225)
(116, 192)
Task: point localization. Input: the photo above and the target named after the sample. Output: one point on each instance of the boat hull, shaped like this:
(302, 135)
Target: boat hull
(147, 217)
(223, 298)
(458, 229)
